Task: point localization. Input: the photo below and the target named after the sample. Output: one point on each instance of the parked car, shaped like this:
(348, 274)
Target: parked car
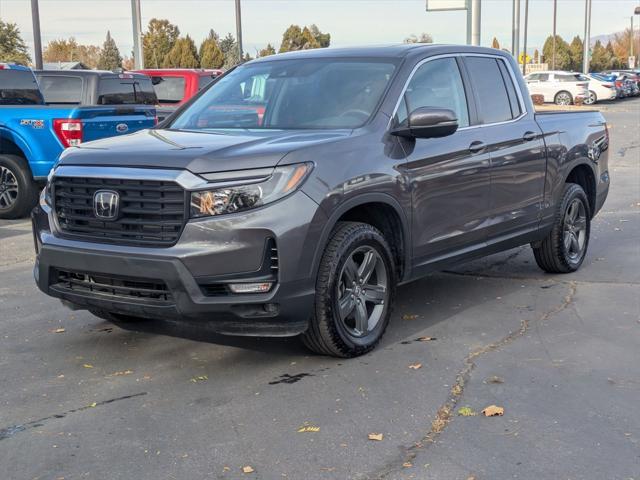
(174, 86)
(618, 84)
(76, 107)
(561, 88)
(632, 75)
(599, 89)
(305, 222)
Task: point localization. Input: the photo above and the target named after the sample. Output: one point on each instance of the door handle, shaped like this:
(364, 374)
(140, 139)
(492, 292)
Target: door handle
(528, 136)
(477, 146)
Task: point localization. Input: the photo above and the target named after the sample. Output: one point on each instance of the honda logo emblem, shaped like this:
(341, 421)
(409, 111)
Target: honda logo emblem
(106, 204)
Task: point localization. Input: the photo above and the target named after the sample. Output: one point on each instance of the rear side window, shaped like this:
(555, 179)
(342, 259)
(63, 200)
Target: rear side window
(204, 81)
(61, 90)
(126, 91)
(493, 99)
(568, 78)
(169, 89)
(511, 90)
(19, 87)
(436, 83)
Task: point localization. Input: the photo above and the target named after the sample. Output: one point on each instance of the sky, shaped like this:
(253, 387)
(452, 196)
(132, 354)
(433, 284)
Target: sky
(350, 22)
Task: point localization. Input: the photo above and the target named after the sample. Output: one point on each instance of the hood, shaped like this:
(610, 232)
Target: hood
(198, 152)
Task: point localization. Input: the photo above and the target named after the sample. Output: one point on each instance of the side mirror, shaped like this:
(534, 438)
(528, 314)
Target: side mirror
(428, 122)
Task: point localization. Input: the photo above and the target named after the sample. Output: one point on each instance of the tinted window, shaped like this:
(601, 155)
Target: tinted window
(60, 89)
(511, 90)
(169, 89)
(493, 99)
(292, 94)
(204, 81)
(126, 91)
(19, 87)
(568, 78)
(436, 84)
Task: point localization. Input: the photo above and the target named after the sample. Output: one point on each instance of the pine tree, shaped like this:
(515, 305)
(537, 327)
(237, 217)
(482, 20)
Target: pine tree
(297, 38)
(495, 44)
(158, 40)
(229, 48)
(211, 55)
(266, 51)
(110, 58)
(183, 55)
(12, 46)
(576, 50)
(563, 53)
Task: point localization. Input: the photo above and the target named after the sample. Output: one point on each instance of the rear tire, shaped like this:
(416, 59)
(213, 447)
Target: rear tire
(18, 191)
(591, 99)
(563, 98)
(355, 289)
(564, 248)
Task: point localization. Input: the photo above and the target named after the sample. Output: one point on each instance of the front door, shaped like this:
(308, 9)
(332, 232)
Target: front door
(449, 176)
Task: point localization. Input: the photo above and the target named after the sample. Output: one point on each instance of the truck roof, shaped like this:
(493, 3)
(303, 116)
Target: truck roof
(401, 50)
(185, 71)
(88, 73)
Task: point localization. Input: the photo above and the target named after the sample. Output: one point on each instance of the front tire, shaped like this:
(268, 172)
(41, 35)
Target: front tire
(18, 191)
(564, 248)
(563, 98)
(355, 289)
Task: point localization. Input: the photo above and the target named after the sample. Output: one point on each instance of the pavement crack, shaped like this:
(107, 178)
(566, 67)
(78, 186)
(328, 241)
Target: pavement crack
(9, 432)
(445, 413)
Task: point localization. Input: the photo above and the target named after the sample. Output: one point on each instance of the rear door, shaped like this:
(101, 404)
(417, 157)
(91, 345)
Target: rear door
(125, 104)
(515, 145)
(449, 176)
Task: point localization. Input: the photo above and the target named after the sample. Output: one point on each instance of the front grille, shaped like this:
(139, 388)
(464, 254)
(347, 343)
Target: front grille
(152, 213)
(141, 289)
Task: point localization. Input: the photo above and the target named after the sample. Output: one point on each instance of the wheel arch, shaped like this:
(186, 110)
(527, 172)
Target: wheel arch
(11, 143)
(383, 212)
(583, 175)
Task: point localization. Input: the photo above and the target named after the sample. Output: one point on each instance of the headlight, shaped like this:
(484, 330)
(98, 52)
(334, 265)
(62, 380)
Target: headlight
(283, 181)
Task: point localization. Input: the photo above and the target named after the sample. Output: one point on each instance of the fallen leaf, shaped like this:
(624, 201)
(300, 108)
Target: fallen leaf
(495, 379)
(493, 411)
(407, 465)
(118, 374)
(407, 316)
(376, 436)
(58, 330)
(308, 428)
(247, 469)
(87, 365)
(91, 405)
(415, 366)
(466, 412)
(226, 469)
(200, 378)
(426, 339)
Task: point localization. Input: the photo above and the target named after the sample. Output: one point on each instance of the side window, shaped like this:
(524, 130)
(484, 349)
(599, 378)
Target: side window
(436, 84)
(543, 77)
(61, 89)
(493, 99)
(511, 90)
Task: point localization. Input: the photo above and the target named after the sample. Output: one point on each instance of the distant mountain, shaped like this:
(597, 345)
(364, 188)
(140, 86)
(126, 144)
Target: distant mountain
(604, 39)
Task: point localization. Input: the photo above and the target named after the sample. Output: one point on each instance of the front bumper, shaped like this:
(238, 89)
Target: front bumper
(210, 252)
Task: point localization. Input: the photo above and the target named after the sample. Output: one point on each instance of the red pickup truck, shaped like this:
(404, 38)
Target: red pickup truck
(174, 86)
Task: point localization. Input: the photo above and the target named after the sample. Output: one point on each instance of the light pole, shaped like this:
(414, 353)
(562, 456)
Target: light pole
(515, 30)
(587, 36)
(239, 30)
(555, 17)
(476, 13)
(524, 46)
(138, 56)
(37, 40)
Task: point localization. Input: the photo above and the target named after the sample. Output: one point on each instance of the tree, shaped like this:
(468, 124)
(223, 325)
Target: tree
(158, 40)
(69, 50)
(12, 46)
(563, 54)
(128, 63)
(297, 38)
(423, 38)
(183, 55)
(600, 58)
(266, 51)
(110, 58)
(229, 48)
(211, 55)
(621, 45)
(495, 44)
(536, 56)
(247, 57)
(576, 50)
(614, 62)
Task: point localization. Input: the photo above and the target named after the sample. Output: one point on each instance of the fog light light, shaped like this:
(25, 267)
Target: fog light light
(250, 287)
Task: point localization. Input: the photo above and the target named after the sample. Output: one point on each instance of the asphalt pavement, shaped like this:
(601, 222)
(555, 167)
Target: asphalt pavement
(81, 398)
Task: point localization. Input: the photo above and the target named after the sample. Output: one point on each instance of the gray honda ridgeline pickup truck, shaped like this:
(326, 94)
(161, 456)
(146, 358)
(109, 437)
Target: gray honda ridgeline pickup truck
(293, 195)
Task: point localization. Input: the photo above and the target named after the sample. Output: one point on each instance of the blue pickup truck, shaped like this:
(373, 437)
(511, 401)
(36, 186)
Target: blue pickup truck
(40, 117)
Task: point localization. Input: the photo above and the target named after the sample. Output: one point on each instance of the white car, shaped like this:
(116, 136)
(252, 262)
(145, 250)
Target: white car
(599, 89)
(561, 88)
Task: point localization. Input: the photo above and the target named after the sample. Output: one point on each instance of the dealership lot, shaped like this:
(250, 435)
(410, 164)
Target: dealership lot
(82, 398)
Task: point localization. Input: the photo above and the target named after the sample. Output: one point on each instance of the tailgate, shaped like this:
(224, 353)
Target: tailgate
(111, 121)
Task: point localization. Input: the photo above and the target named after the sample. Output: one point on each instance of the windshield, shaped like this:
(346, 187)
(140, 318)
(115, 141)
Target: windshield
(291, 94)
